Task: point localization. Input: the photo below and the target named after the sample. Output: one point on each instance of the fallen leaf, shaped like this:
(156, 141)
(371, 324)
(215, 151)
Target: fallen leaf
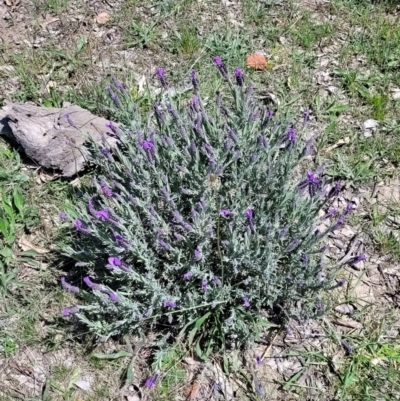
(352, 324)
(132, 398)
(103, 18)
(26, 245)
(256, 61)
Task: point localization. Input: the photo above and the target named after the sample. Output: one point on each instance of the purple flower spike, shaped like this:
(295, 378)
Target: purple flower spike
(293, 245)
(106, 189)
(114, 261)
(114, 297)
(170, 304)
(102, 214)
(112, 127)
(147, 145)
(249, 214)
(246, 302)
(221, 66)
(78, 225)
(188, 275)
(258, 360)
(197, 254)
(291, 136)
(330, 213)
(117, 237)
(239, 76)
(218, 62)
(68, 287)
(70, 311)
(151, 382)
(349, 208)
(204, 285)
(89, 283)
(63, 215)
(195, 81)
(225, 212)
(306, 116)
(356, 259)
(160, 72)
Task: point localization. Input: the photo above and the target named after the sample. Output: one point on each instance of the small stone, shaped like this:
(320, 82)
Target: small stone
(370, 124)
(103, 18)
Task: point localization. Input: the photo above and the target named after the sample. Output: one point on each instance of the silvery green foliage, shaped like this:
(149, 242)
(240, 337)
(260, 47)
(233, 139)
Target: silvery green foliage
(200, 216)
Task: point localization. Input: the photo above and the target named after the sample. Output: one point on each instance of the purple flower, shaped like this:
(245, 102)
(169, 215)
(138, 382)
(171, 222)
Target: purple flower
(341, 282)
(114, 297)
(151, 382)
(291, 136)
(114, 261)
(239, 76)
(356, 259)
(204, 285)
(293, 245)
(221, 66)
(197, 254)
(102, 214)
(63, 215)
(188, 275)
(338, 224)
(349, 208)
(218, 62)
(306, 116)
(177, 216)
(170, 304)
(160, 72)
(179, 237)
(195, 81)
(105, 151)
(188, 227)
(70, 311)
(319, 304)
(246, 302)
(78, 225)
(347, 347)
(336, 189)
(249, 214)
(258, 360)
(68, 287)
(149, 312)
(106, 189)
(89, 283)
(313, 183)
(330, 213)
(225, 212)
(112, 127)
(117, 237)
(147, 145)
(164, 244)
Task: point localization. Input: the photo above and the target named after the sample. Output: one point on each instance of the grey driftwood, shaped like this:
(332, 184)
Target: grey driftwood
(53, 137)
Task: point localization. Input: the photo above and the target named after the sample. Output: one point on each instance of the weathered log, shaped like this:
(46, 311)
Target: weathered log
(53, 137)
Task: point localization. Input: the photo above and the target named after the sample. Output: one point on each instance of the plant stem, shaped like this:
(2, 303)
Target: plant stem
(219, 246)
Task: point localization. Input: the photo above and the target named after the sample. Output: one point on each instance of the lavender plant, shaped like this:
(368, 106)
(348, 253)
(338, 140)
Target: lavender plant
(201, 221)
